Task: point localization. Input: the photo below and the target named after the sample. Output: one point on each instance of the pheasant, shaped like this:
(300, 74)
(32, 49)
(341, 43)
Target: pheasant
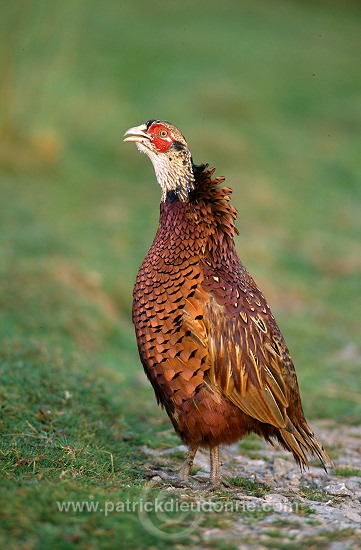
(207, 339)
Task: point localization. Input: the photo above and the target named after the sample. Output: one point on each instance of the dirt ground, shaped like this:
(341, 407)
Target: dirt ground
(270, 503)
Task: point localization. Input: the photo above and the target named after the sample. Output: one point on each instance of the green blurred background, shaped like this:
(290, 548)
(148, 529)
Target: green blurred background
(268, 92)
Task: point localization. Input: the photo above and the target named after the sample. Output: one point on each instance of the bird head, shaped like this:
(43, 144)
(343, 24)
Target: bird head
(168, 150)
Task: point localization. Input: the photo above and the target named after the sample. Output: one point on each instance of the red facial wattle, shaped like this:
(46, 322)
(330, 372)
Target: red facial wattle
(161, 137)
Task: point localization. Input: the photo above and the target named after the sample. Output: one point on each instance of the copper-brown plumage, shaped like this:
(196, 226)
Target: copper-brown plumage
(207, 339)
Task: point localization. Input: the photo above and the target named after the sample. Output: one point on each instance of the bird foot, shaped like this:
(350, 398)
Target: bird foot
(222, 483)
(175, 481)
(213, 485)
(188, 482)
(152, 474)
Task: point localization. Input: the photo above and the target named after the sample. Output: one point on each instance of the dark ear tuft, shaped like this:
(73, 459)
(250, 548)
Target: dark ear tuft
(178, 146)
(149, 123)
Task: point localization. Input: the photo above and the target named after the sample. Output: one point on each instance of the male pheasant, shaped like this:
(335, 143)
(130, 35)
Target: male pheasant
(207, 339)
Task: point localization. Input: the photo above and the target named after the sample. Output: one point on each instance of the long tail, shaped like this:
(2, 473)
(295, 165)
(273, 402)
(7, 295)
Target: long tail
(300, 440)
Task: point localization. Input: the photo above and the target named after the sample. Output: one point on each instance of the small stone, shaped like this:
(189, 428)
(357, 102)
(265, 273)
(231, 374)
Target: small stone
(338, 489)
(156, 479)
(354, 485)
(295, 479)
(353, 516)
(212, 534)
(282, 466)
(278, 503)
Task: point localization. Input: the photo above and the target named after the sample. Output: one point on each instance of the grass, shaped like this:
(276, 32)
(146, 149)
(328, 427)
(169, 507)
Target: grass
(313, 494)
(250, 443)
(303, 509)
(267, 93)
(252, 488)
(347, 472)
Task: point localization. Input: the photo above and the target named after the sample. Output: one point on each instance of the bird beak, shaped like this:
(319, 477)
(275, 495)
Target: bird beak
(137, 134)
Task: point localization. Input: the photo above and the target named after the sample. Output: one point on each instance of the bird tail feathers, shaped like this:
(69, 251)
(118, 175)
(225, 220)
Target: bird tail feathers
(302, 440)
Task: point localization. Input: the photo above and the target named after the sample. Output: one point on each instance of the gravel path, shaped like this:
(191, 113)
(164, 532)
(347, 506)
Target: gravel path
(271, 504)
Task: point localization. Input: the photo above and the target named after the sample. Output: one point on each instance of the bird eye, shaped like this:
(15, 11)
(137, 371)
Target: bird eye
(163, 133)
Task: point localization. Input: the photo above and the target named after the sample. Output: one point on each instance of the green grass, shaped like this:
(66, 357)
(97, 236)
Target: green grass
(250, 443)
(315, 494)
(252, 488)
(265, 91)
(303, 509)
(347, 472)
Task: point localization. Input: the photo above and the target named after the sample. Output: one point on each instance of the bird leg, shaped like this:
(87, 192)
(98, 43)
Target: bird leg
(184, 473)
(214, 476)
(215, 479)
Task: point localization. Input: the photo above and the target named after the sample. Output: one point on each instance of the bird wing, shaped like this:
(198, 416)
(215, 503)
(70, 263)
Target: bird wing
(249, 360)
